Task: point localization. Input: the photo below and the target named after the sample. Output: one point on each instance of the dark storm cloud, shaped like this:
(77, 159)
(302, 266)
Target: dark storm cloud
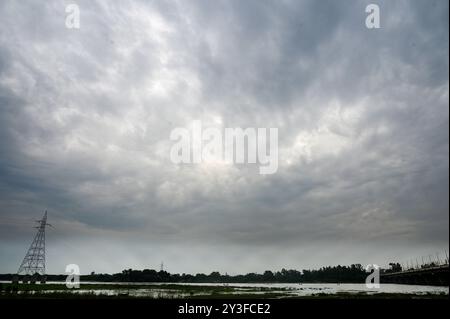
(362, 115)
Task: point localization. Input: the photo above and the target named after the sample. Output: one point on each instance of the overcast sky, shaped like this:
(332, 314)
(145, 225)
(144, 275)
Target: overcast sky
(86, 115)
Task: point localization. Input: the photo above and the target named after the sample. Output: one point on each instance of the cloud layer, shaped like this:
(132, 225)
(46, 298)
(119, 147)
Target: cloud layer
(86, 115)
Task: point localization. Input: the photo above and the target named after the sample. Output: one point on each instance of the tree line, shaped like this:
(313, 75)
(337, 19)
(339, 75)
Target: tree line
(354, 273)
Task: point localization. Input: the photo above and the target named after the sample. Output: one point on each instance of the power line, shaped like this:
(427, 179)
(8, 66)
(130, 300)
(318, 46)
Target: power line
(34, 261)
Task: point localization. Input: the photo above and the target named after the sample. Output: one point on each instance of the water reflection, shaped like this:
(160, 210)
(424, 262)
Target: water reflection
(279, 290)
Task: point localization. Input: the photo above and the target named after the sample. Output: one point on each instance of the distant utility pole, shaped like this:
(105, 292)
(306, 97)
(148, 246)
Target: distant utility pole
(34, 261)
(162, 266)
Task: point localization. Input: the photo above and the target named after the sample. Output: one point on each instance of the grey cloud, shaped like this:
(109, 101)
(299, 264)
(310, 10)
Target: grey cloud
(362, 115)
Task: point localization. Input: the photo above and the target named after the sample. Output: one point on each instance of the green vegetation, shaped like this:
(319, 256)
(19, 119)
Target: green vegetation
(349, 274)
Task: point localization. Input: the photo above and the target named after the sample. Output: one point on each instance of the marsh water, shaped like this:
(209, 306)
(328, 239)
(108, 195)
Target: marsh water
(151, 290)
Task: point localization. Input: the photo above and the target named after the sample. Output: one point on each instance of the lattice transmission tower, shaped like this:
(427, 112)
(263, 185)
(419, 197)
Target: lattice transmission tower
(34, 261)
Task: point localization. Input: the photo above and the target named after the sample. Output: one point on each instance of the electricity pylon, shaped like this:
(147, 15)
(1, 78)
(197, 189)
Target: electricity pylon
(34, 261)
